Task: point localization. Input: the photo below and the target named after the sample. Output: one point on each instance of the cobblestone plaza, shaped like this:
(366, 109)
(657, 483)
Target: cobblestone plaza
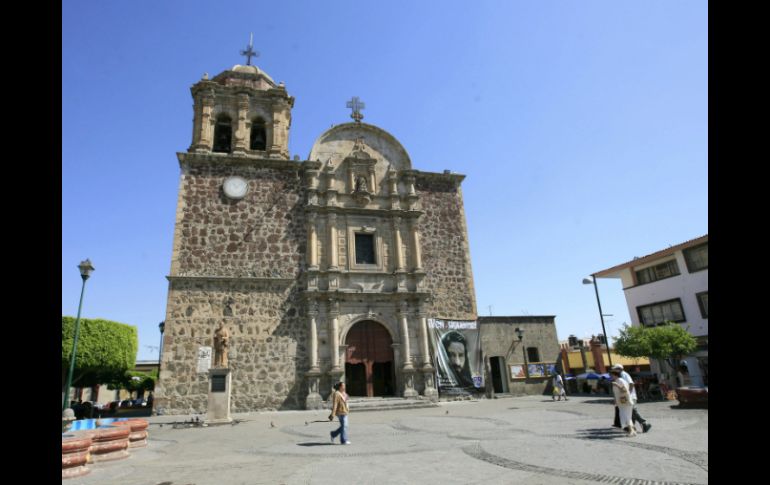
(529, 439)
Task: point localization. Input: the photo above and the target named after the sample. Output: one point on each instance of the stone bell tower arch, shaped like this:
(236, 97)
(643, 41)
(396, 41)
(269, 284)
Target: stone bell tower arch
(257, 109)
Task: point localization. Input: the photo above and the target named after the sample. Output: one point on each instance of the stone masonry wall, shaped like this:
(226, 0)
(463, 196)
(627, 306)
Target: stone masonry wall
(261, 235)
(497, 335)
(237, 261)
(445, 255)
(267, 355)
(498, 339)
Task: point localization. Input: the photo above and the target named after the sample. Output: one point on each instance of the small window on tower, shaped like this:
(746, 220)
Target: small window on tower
(365, 249)
(258, 138)
(223, 133)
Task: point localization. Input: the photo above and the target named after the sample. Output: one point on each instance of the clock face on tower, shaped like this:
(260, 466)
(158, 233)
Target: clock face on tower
(235, 187)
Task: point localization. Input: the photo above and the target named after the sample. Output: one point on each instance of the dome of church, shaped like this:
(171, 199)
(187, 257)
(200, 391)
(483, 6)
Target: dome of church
(360, 141)
(252, 70)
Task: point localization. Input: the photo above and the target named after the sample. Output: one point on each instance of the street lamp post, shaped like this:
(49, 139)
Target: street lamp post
(520, 334)
(85, 271)
(161, 327)
(586, 281)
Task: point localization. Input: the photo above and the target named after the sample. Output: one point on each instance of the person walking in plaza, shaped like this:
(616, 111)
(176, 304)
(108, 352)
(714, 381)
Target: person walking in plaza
(558, 388)
(340, 409)
(635, 416)
(623, 401)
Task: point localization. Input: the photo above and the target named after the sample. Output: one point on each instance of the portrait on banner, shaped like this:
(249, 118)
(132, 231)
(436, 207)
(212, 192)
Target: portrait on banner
(457, 354)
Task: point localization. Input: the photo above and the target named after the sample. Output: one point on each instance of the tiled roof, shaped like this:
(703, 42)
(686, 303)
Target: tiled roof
(613, 272)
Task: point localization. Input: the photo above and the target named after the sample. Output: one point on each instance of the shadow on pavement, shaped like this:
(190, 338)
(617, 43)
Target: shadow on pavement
(316, 444)
(679, 406)
(599, 401)
(600, 434)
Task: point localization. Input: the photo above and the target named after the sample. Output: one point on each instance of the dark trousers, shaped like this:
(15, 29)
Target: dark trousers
(635, 417)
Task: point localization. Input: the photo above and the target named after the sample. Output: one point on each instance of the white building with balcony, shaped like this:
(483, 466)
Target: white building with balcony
(671, 284)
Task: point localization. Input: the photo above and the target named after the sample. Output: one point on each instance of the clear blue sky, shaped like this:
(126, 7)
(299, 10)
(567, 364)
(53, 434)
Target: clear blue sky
(581, 126)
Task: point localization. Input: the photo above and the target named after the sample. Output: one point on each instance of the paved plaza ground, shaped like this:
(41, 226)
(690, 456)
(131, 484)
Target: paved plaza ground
(529, 439)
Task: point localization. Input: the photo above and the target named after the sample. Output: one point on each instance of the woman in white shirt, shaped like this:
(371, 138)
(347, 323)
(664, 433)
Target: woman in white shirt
(558, 388)
(623, 402)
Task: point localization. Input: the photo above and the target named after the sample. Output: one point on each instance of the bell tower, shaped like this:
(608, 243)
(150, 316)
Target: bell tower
(241, 111)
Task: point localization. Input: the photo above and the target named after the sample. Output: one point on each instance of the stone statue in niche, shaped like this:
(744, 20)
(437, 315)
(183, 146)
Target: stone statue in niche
(221, 344)
(361, 184)
(361, 191)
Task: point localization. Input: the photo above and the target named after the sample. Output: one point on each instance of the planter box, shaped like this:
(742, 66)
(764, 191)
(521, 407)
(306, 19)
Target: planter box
(693, 397)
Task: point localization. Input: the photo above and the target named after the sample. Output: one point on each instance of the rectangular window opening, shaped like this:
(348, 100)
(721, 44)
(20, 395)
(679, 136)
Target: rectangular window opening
(532, 354)
(657, 272)
(703, 303)
(365, 249)
(697, 258)
(658, 313)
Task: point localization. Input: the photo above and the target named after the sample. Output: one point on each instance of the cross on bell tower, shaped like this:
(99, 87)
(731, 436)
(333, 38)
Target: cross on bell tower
(356, 105)
(249, 51)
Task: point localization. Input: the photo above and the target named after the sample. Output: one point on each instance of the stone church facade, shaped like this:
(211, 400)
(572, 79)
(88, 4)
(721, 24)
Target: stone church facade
(322, 269)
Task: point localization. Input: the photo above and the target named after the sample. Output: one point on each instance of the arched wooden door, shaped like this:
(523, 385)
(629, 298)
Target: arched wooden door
(369, 361)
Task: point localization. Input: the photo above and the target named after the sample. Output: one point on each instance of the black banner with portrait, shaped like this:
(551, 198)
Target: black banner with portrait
(457, 355)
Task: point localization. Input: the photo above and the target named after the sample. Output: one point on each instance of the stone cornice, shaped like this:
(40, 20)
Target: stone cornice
(223, 159)
(247, 279)
(311, 165)
(363, 211)
(456, 178)
(518, 319)
(219, 88)
(323, 272)
(352, 295)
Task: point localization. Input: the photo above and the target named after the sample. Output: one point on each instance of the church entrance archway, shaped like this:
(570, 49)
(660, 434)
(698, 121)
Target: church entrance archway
(369, 366)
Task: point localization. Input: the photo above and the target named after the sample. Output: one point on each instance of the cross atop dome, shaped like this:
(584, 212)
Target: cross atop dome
(249, 51)
(356, 105)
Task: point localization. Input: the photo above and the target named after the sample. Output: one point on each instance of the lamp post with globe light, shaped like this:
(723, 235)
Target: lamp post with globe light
(85, 271)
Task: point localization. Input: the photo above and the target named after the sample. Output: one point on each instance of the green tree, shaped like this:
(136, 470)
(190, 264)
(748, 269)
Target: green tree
(669, 342)
(106, 350)
(134, 381)
(633, 342)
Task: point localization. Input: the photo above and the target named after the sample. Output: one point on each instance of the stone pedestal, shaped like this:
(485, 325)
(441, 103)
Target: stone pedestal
(218, 410)
(314, 399)
(409, 391)
(430, 388)
(401, 281)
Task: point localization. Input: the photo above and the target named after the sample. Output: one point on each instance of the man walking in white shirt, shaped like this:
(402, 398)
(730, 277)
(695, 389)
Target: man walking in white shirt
(635, 414)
